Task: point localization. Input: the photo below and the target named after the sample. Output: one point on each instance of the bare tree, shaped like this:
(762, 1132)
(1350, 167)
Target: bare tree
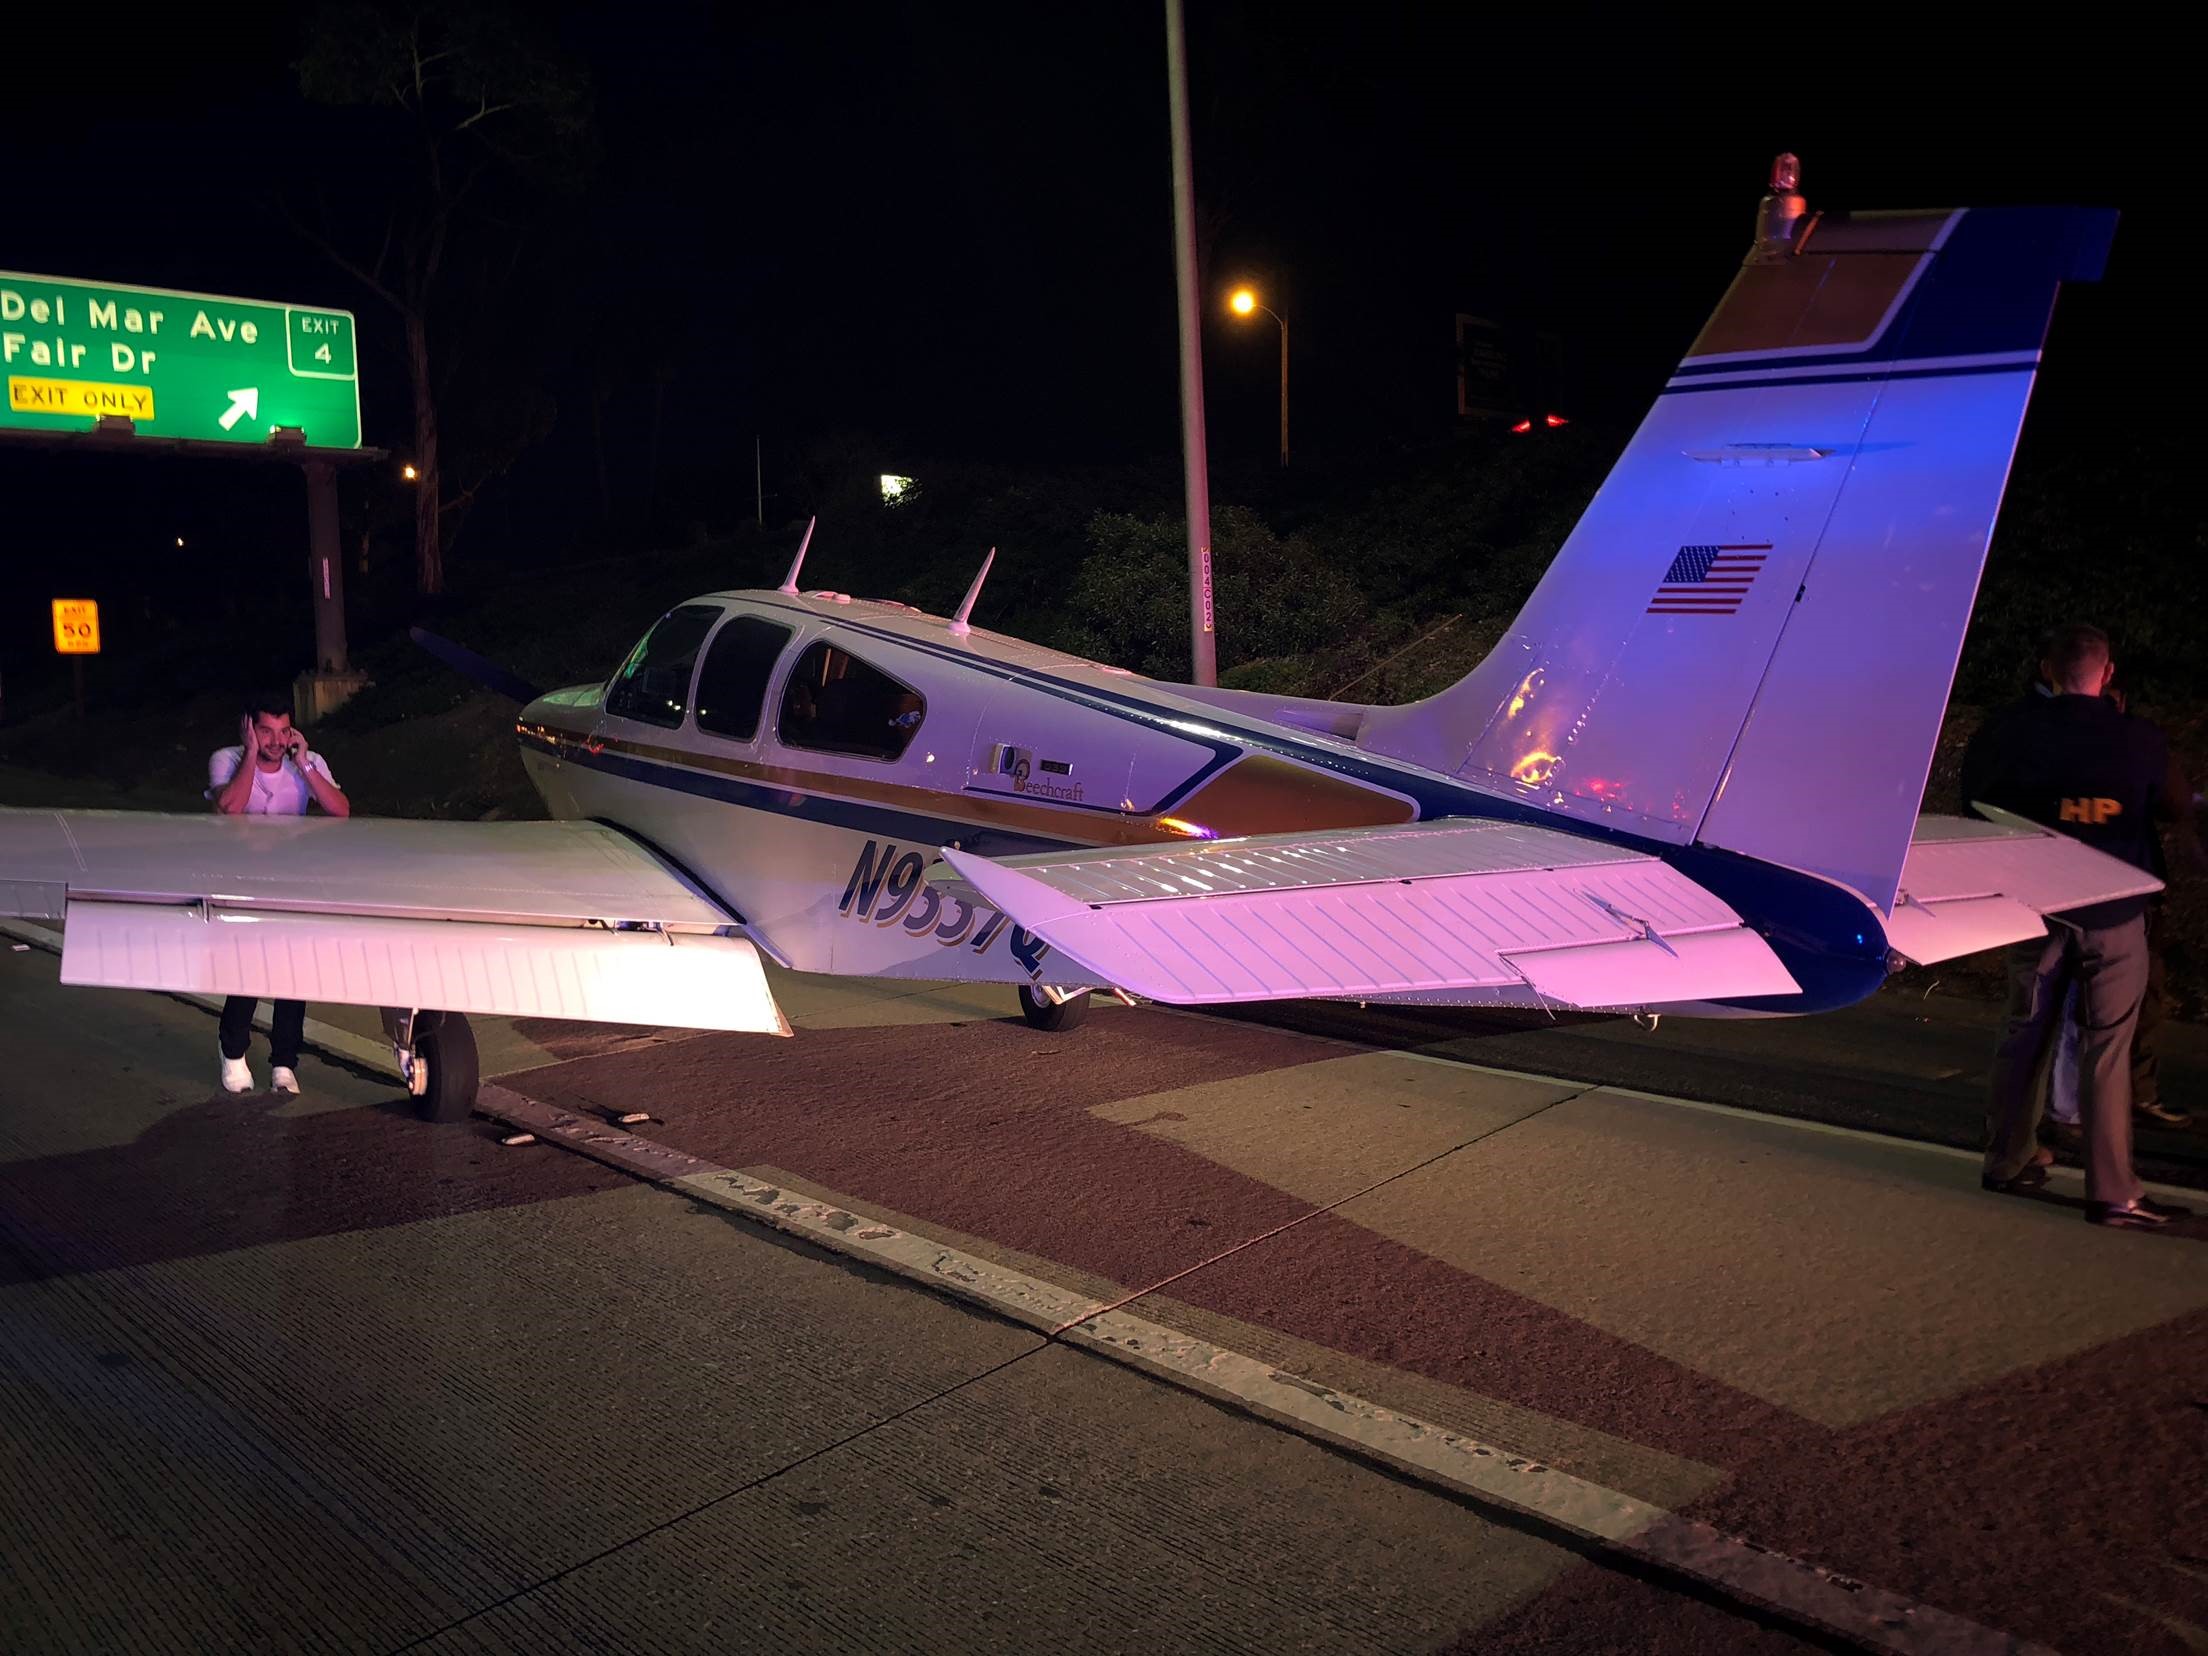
(489, 120)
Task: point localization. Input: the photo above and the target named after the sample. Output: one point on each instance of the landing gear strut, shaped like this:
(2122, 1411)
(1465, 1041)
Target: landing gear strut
(1068, 1010)
(437, 1058)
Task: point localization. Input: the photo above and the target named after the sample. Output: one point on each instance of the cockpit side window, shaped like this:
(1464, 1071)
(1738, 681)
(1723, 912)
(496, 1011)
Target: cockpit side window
(836, 703)
(653, 685)
(732, 685)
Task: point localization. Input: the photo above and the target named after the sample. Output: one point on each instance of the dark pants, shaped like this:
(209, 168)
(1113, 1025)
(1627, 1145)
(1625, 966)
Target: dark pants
(286, 1025)
(2109, 965)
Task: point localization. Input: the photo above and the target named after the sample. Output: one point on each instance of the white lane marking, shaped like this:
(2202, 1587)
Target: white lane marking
(1416, 1448)
(1039, 1305)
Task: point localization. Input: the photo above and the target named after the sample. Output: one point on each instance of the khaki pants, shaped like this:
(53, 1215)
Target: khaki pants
(2109, 964)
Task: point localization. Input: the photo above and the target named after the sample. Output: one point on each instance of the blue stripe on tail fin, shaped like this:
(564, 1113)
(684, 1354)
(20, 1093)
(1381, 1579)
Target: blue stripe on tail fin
(1749, 638)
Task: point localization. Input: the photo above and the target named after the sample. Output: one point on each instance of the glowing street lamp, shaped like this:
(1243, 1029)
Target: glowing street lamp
(409, 472)
(1244, 302)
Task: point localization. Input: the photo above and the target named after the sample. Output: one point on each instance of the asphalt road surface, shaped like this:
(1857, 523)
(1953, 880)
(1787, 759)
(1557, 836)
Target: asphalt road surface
(1906, 1062)
(307, 1374)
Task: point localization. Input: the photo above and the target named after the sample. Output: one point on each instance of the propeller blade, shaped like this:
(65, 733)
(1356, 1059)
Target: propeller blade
(468, 664)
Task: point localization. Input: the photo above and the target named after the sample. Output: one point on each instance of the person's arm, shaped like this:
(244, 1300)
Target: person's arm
(233, 793)
(321, 784)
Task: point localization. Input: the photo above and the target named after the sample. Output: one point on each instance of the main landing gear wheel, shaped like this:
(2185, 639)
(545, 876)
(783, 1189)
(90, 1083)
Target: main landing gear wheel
(1043, 1013)
(444, 1045)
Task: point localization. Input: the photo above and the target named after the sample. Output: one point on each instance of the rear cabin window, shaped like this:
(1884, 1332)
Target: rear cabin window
(732, 684)
(653, 685)
(836, 703)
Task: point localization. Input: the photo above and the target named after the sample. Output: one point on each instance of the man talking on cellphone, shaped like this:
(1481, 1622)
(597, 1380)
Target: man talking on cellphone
(271, 772)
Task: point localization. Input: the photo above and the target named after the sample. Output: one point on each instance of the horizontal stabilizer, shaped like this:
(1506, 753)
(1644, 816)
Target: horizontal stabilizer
(468, 664)
(1969, 885)
(1448, 905)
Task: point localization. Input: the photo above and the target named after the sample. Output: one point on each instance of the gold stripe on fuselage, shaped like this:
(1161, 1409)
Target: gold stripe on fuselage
(1257, 794)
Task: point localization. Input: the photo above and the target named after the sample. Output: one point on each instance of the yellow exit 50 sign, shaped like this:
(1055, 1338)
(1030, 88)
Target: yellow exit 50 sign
(77, 626)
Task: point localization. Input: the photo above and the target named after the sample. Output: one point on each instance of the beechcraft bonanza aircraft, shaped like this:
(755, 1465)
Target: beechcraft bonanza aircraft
(1687, 780)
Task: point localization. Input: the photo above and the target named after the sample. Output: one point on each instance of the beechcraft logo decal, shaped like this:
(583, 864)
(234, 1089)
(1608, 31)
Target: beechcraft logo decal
(1709, 580)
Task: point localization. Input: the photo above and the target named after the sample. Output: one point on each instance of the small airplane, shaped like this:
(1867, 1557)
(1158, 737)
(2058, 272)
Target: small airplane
(1688, 779)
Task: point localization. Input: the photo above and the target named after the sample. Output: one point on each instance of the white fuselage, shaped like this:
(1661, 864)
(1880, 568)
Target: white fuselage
(824, 852)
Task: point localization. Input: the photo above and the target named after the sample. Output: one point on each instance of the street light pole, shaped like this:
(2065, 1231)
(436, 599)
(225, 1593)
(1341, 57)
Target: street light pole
(1195, 476)
(1242, 303)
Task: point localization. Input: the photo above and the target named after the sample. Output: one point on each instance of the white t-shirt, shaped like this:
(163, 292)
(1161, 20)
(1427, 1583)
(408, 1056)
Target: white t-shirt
(280, 792)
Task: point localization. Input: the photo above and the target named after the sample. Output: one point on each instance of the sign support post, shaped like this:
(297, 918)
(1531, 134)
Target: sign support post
(325, 568)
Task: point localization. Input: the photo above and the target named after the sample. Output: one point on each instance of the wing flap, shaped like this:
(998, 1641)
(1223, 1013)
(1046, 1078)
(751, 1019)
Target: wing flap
(518, 919)
(686, 981)
(1442, 906)
(1969, 885)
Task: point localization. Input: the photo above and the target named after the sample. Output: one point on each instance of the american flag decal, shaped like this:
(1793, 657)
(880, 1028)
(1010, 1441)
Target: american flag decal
(1709, 580)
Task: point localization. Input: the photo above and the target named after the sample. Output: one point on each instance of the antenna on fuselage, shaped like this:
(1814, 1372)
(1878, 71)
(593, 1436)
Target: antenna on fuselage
(789, 581)
(961, 623)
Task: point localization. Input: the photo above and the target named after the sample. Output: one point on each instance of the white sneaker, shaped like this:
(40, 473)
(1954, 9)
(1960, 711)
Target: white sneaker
(281, 1079)
(237, 1075)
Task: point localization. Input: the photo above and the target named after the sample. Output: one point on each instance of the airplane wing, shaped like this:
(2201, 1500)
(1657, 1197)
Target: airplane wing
(525, 919)
(1447, 905)
(1969, 884)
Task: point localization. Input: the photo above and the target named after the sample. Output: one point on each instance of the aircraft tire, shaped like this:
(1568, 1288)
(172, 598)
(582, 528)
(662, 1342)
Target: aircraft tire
(1041, 1014)
(446, 1043)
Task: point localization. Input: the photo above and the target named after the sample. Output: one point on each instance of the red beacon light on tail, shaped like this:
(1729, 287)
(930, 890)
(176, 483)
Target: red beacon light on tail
(1781, 214)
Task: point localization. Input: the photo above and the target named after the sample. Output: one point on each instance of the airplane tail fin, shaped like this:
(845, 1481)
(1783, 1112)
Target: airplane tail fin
(1749, 638)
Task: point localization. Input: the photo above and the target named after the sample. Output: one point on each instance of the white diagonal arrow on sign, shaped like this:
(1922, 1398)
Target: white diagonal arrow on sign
(244, 405)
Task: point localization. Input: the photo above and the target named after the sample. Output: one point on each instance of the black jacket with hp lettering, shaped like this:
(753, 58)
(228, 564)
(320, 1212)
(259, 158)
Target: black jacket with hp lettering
(2082, 767)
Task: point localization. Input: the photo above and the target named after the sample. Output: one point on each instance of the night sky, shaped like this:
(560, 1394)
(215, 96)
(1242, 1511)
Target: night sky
(948, 228)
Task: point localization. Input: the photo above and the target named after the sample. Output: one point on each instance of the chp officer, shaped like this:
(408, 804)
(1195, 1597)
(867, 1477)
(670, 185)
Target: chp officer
(2075, 763)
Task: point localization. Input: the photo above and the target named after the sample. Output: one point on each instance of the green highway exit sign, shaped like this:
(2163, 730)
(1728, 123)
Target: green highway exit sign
(175, 364)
